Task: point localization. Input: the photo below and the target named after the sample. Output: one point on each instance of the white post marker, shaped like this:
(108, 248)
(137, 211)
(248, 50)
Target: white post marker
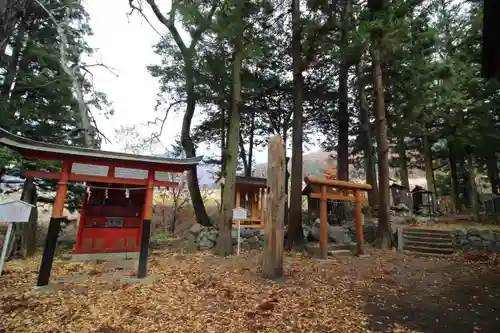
(12, 212)
(239, 214)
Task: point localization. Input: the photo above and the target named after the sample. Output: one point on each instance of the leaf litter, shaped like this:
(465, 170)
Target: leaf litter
(384, 292)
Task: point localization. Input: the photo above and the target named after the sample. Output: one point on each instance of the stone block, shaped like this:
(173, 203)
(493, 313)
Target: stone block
(474, 232)
(196, 228)
(487, 235)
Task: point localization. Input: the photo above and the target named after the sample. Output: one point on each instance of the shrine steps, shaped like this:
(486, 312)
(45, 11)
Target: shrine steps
(429, 242)
(101, 256)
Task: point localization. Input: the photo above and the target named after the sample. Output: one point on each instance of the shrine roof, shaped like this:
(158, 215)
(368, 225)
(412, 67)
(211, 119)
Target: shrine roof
(243, 180)
(25, 145)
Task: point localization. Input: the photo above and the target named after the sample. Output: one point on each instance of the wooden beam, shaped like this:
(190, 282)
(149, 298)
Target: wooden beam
(323, 226)
(337, 184)
(272, 265)
(331, 196)
(97, 179)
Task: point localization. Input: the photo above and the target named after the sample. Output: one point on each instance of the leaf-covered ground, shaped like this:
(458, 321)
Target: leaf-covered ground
(383, 292)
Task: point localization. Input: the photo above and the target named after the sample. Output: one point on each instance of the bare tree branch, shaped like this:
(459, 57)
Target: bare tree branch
(164, 119)
(85, 67)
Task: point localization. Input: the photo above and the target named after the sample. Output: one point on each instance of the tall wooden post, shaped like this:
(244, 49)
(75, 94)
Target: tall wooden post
(274, 210)
(359, 222)
(146, 227)
(323, 224)
(54, 226)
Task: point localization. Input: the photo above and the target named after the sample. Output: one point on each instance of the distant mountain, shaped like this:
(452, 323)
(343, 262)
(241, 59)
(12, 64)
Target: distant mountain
(315, 162)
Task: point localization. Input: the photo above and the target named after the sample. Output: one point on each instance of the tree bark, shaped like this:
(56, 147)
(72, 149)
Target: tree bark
(11, 70)
(29, 230)
(343, 112)
(472, 185)
(492, 168)
(429, 171)
(295, 238)
(251, 144)
(403, 163)
(11, 11)
(366, 133)
(224, 244)
(384, 229)
(222, 152)
(455, 188)
(189, 148)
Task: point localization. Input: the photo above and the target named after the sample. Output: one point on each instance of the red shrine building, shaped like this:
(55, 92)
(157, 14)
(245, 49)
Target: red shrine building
(116, 211)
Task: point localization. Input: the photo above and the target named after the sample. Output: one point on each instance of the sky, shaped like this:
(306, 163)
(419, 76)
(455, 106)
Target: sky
(125, 44)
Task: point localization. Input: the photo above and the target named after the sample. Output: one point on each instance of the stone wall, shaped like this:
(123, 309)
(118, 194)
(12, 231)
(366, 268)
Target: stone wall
(476, 240)
(369, 232)
(204, 238)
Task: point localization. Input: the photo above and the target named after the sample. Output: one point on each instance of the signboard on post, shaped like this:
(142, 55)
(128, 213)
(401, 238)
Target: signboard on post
(12, 212)
(239, 213)
(15, 211)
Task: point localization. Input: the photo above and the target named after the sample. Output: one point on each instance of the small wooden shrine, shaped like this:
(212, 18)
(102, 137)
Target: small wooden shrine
(117, 206)
(250, 194)
(399, 194)
(110, 219)
(422, 198)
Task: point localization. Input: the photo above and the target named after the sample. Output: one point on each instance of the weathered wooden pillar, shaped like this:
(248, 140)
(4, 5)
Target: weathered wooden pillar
(147, 214)
(54, 226)
(323, 224)
(274, 210)
(359, 222)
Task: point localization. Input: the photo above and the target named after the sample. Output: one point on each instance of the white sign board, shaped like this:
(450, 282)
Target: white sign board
(239, 213)
(15, 211)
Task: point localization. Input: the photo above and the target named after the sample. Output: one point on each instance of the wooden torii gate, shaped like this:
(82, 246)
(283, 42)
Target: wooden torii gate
(325, 189)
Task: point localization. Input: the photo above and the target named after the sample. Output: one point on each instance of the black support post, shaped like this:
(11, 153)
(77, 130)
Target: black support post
(49, 251)
(143, 252)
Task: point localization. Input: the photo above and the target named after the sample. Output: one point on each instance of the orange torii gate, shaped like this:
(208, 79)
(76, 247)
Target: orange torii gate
(332, 189)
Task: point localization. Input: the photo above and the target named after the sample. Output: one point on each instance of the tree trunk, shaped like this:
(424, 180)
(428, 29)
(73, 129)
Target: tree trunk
(224, 244)
(295, 238)
(223, 147)
(11, 11)
(455, 187)
(251, 145)
(464, 182)
(287, 175)
(403, 163)
(343, 112)
(11, 69)
(29, 230)
(188, 145)
(472, 185)
(384, 227)
(368, 151)
(492, 167)
(243, 155)
(429, 171)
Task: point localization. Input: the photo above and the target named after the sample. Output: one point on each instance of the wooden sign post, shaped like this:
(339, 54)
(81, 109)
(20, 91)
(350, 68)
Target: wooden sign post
(11, 212)
(274, 210)
(238, 215)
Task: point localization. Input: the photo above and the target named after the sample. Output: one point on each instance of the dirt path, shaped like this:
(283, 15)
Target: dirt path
(384, 292)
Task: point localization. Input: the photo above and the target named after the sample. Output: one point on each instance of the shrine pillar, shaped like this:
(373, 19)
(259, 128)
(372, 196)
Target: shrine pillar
(54, 226)
(146, 226)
